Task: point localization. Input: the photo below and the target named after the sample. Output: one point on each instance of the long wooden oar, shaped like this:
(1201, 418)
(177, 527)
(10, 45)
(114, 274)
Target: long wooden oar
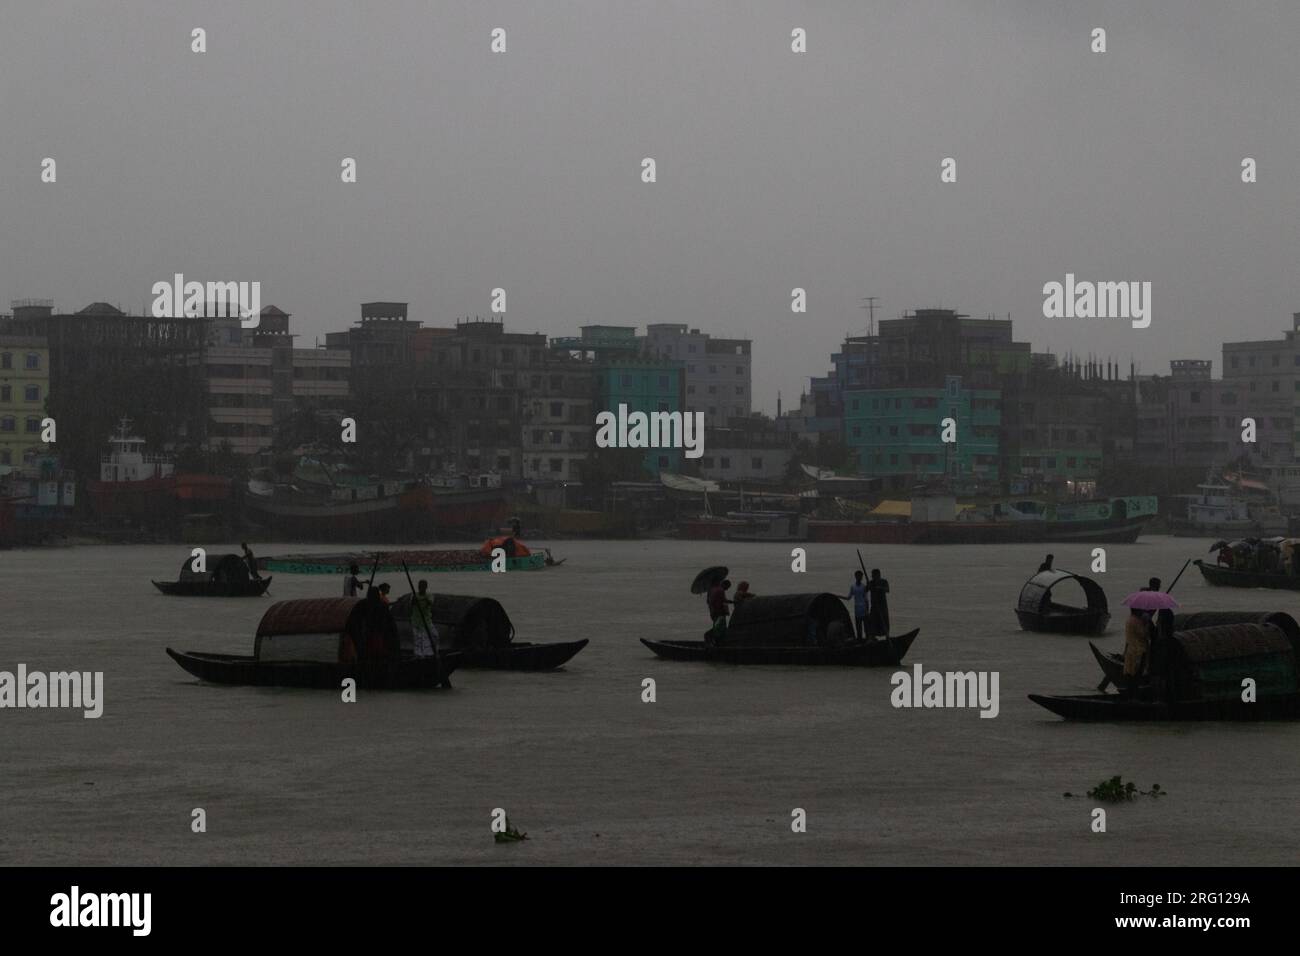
(373, 571)
(1180, 574)
(428, 629)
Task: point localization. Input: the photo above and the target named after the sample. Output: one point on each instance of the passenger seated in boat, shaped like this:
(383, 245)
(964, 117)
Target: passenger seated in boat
(1225, 556)
(878, 616)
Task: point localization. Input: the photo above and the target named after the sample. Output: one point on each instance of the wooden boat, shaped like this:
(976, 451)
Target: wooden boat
(1113, 707)
(408, 674)
(518, 558)
(301, 644)
(1221, 576)
(229, 577)
(481, 633)
(1112, 663)
(250, 588)
(1200, 677)
(876, 652)
(1038, 611)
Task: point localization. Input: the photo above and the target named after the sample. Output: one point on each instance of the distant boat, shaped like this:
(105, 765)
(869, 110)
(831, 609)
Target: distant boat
(1038, 611)
(229, 577)
(873, 652)
(1215, 510)
(1222, 576)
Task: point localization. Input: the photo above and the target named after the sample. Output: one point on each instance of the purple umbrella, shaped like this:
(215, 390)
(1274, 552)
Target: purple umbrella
(1150, 601)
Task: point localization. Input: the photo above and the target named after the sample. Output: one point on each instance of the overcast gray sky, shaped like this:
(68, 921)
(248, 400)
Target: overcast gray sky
(775, 170)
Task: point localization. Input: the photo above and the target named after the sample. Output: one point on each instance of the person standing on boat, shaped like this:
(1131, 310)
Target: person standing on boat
(1137, 644)
(1153, 584)
(718, 611)
(250, 561)
(352, 583)
(1047, 564)
(380, 639)
(878, 615)
(424, 636)
(858, 593)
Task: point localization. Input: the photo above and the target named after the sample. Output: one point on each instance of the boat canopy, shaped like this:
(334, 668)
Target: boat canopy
(1281, 620)
(462, 620)
(304, 630)
(221, 569)
(1036, 595)
(788, 619)
(1210, 663)
(513, 547)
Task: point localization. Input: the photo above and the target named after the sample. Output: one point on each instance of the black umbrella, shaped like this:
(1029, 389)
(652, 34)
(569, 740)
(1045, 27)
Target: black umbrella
(1217, 545)
(707, 578)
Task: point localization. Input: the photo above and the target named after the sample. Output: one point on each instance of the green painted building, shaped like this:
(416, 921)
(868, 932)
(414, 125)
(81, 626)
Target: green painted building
(898, 431)
(643, 386)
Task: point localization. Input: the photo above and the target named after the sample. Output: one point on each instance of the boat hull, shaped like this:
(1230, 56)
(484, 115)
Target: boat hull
(1116, 707)
(977, 532)
(1082, 622)
(254, 588)
(1234, 578)
(422, 674)
(520, 656)
(422, 562)
(870, 653)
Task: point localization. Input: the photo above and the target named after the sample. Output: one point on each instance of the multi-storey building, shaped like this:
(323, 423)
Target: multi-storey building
(1267, 373)
(897, 433)
(643, 385)
(24, 388)
(717, 371)
(1192, 420)
(754, 449)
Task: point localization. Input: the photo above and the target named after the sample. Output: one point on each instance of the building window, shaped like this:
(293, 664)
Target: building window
(690, 368)
(7, 424)
(855, 404)
(663, 381)
(7, 393)
(690, 389)
(537, 436)
(557, 381)
(33, 426)
(557, 409)
(1275, 383)
(6, 458)
(740, 370)
(706, 462)
(857, 431)
(557, 465)
(713, 369)
(690, 348)
(726, 463)
(713, 390)
(33, 360)
(756, 464)
(507, 356)
(503, 462)
(627, 381)
(663, 461)
(6, 360)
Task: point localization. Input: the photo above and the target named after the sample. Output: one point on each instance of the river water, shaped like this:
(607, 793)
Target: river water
(709, 773)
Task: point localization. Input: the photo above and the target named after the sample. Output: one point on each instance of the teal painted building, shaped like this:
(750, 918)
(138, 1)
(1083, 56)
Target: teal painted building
(898, 431)
(643, 386)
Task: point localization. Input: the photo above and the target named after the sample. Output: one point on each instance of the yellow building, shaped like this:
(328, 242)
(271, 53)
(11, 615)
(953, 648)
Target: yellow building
(24, 386)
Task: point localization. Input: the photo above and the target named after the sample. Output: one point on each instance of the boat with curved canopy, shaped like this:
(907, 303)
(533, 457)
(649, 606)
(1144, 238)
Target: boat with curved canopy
(481, 633)
(1112, 664)
(1038, 610)
(1220, 575)
(302, 644)
(790, 629)
(229, 577)
(1202, 680)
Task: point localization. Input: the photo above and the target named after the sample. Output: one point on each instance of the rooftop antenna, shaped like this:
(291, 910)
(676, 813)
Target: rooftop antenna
(871, 313)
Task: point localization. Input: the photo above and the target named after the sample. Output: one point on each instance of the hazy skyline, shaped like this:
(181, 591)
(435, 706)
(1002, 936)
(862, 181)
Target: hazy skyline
(775, 169)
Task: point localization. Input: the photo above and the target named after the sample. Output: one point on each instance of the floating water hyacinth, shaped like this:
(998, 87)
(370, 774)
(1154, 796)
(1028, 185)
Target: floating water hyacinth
(511, 834)
(1116, 790)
